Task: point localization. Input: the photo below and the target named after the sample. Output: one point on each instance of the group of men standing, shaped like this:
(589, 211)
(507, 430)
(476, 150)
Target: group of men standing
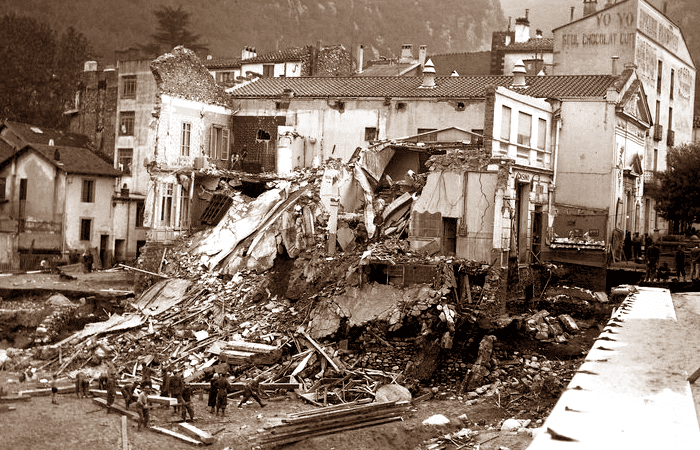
(174, 386)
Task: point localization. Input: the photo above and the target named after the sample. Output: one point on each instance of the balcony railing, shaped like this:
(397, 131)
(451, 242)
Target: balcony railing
(652, 179)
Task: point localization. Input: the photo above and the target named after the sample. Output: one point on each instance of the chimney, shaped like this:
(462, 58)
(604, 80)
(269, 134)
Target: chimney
(614, 65)
(665, 8)
(428, 75)
(51, 144)
(422, 54)
(522, 30)
(519, 74)
(125, 190)
(57, 155)
(90, 66)
(360, 58)
(538, 33)
(572, 14)
(454, 73)
(589, 7)
(406, 53)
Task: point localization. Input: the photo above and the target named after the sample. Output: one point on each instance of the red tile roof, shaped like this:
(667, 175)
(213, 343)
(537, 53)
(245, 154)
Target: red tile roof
(222, 63)
(565, 86)
(389, 69)
(31, 134)
(539, 44)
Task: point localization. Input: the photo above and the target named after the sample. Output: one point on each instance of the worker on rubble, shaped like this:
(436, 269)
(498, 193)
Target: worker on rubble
(165, 387)
(111, 386)
(176, 385)
(187, 406)
(252, 389)
(143, 407)
(211, 403)
(146, 374)
(102, 381)
(79, 378)
(128, 393)
(54, 390)
(222, 388)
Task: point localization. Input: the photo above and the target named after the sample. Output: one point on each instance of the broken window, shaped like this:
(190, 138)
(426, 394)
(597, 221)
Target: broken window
(125, 157)
(85, 229)
(371, 134)
(185, 139)
(219, 142)
(263, 135)
(524, 129)
(88, 193)
(129, 86)
(167, 205)
(127, 120)
(140, 209)
(216, 209)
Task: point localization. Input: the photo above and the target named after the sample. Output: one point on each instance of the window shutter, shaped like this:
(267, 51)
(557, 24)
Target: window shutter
(212, 134)
(225, 144)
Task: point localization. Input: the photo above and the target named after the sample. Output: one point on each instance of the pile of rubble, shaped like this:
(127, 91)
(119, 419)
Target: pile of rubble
(543, 326)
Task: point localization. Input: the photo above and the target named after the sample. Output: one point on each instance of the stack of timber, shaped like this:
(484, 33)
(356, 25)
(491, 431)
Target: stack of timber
(334, 419)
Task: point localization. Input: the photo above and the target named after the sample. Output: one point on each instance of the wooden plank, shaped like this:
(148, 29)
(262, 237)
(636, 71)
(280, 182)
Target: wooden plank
(47, 391)
(289, 440)
(320, 350)
(252, 347)
(694, 376)
(15, 398)
(130, 414)
(176, 435)
(196, 433)
(167, 401)
(125, 439)
(6, 408)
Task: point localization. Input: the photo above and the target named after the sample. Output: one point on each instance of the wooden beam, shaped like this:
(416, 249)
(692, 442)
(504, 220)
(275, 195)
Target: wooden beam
(15, 398)
(6, 408)
(125, 439)
(176, 435)
(320, 350)
(47, 391)
(694, 376)
(196, 433)
(103, 403)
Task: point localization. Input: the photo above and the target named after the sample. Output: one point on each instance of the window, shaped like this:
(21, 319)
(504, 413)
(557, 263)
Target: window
(126, 123)
(140, 209)
(185, 139)
(3, 181)
(524, 129)
(659, 72)
(541, 134)
(672, 83)
(505, 123)
(85, 229)
(129, 86)
(125, 158)
(670, 119)
(371, 134)
(224, 77)
(88, 194)
(432, 137)
(184, 207)
(166, 205)
(268, 70)
(218, 144)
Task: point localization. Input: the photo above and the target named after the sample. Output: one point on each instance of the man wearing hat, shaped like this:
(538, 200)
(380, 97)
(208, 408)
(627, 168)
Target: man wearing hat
(143, 407)
(176, 385)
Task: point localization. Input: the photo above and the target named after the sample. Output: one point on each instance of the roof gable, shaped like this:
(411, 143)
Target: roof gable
(634, 104)
(72, 160)
(24, 134)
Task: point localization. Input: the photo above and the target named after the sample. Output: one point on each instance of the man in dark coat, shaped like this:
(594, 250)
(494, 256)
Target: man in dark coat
(177, 383)
(652, 261)
(111, 390)
(222, 388)
(187, 406)
(680, 263)
(128, 393)
(211, 403)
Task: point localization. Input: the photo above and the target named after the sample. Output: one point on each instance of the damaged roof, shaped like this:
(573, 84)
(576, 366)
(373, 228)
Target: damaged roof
(551, 86)
(72, 160)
